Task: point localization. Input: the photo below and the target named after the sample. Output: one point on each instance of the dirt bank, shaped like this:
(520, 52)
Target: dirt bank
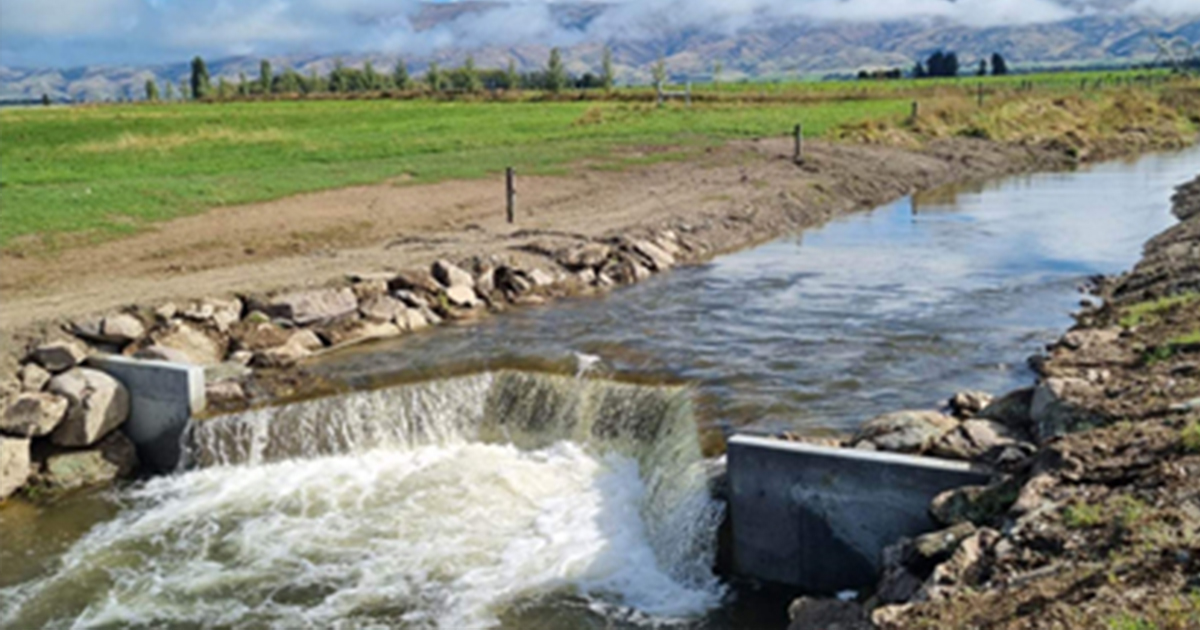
(728, 197)
(1102, 528)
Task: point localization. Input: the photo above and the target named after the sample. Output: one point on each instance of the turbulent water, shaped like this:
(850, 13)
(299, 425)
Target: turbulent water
(453, 504)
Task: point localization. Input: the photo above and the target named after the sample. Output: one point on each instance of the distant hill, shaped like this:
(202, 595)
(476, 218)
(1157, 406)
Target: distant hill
(784, 50)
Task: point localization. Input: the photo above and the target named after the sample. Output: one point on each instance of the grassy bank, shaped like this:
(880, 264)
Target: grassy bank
(96, 172)
(111, 169)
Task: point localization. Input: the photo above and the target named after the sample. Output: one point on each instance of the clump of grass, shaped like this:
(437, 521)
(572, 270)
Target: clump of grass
(1130, 510)
(1083, 516)
(1189, 437)
(1148, 312)
(1129, 622)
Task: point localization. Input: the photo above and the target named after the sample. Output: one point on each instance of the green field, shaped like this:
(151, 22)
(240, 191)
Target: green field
(111, 169)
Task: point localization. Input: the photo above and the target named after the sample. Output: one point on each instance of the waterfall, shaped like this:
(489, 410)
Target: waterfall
(470, 502)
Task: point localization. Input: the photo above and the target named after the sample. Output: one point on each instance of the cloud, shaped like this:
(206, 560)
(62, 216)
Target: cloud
(76, 32)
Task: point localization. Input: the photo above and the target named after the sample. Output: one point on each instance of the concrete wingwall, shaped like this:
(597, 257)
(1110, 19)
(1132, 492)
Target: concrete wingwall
(817, 519)
(163, 398)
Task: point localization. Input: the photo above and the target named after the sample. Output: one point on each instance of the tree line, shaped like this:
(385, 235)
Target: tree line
(940, 64)
(466, 78)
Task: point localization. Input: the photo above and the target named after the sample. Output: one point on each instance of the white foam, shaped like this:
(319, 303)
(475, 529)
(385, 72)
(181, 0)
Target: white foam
(446, 536)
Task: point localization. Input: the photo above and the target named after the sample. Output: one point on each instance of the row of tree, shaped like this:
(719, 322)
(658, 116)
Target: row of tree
(945, 64)
(342, 79)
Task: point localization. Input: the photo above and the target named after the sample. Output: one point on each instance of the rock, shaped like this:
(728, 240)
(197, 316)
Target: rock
(310, 307)
(166, 311)
(122, 328)
(897, 583)
(301, 344)
(451, 275)
(161, 353)
(61, 355)
(381, 308)
(973, 438)
(261, 336)
(485, 280)
(658, 258)
(586, 256)
(224, 393)
(929, 550)
(113, 458)
(33, 377)
(221, 313)
(187, 340)
(975, 504)
(33, 414)
(367, 289)
(226, 371)
(890, 617)
(463, 296)
(355, 332)
(1011, 409)
(1055, 409)
(417, 280)
(963, 568)
(14, 464)
(1087, 338)
(968, 404)
(412, 300)
(99, 404)
(1033, 494)
(905, 431)
(809, 613)
(624, 269)
(412, 320)
(512, 282)
(541, 278)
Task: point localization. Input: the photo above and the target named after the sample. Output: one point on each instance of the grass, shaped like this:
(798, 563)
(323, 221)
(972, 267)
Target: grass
(112, 170)
(1083, 516)
(1189, 437)
(1148, 312)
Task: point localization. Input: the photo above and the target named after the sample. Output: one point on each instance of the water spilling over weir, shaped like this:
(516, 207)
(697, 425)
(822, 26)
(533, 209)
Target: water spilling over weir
(478, 501)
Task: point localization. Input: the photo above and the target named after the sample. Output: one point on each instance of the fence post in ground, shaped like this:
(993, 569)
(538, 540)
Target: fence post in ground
(916, 110)
(688, 94)
(511, 193)
(798, 156)
(659, 88)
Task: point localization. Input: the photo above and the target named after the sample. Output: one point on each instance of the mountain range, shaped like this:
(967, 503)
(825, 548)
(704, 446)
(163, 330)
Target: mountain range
(784, 49)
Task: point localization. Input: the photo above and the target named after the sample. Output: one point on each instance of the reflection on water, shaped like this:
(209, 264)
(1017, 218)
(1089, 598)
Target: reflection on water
(897, 308)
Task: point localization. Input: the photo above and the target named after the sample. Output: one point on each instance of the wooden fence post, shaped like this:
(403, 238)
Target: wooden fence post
(798, 156)
(916, 110)
(511, 193)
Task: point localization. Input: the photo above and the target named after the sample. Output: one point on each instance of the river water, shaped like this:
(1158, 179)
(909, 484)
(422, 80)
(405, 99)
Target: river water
(501, 497)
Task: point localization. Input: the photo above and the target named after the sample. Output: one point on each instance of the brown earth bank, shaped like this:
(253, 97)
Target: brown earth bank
(1098, 526)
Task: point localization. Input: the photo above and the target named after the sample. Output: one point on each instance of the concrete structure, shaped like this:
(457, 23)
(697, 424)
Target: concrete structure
(163, 398)
(817, 519)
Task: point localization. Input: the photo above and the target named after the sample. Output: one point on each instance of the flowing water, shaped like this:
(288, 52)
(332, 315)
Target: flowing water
(483, 495)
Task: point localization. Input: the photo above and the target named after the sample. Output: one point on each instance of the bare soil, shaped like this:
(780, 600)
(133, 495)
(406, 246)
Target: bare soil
(726, 198)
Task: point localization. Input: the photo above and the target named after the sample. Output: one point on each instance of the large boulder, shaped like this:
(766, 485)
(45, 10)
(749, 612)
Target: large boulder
(416, 280)
(451, 275)
(99, 404)
(382, 308)
(1011, 409)
(969, 404)
(904, 431)
(113, 458)
(347, 333)
(33, 414)
(659, 259)
(33, 377)
(973, 438)
(585, 256)
(462, 296)
(221, 313)
(300, 345)
(14, 464)
(1059, 407)
(118, 329)
(60, 355)
(310, 307)
(412, 320)
(187, 340)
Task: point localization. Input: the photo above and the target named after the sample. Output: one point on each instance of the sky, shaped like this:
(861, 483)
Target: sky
(67, 33)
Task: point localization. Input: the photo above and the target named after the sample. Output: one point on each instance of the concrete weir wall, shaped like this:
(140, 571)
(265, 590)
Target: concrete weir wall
(817, 519)
(163, 398)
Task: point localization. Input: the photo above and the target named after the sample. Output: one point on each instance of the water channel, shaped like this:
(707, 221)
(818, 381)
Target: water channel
(501, 497)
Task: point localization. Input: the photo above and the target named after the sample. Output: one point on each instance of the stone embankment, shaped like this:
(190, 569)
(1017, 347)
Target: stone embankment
(1093, 519)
